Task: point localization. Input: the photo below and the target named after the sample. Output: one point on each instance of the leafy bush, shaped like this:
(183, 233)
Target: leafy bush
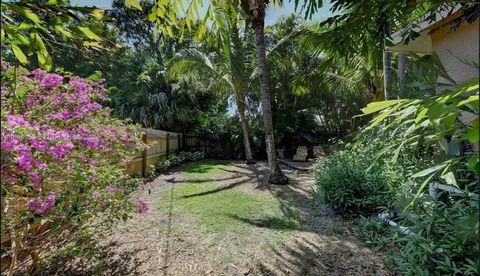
(175, 160)
(348, 185)
(445, 239)
(63, 155)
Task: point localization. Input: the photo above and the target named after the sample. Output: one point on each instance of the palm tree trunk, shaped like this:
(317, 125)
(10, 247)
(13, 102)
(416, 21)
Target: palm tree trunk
(402, 66)
(244, 122)
(387, 74)
(257, 10)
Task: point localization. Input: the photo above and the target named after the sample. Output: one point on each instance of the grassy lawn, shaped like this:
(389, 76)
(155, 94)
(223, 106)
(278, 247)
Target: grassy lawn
(221, 209)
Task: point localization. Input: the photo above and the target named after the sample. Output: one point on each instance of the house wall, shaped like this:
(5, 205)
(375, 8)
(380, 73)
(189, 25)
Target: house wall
(454, 46)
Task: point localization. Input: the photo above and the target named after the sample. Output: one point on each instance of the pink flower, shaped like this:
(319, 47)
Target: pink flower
(92, 143)
(9, 142)
(111, 189)
(5, 66)
(51, 81)
(10, 179)
(24, 160)
(79, 85)
(39, 144)
(61, 150)
(64, 115)
(40, 205)
(35, 178)
(40, 164)
(33, 203)
(38, 74)
(16, 121)
(142, 206)
(96, 194)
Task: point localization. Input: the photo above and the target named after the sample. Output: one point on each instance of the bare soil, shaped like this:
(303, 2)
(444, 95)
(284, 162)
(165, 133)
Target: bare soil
(163, 243)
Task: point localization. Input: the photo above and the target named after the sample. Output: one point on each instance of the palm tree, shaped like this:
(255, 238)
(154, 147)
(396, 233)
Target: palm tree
(257, 19)
(402, 66)
(387, 74)
(231, 69)
(255, 9)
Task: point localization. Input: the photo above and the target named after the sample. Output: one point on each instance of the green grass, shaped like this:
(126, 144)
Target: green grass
(222, 210)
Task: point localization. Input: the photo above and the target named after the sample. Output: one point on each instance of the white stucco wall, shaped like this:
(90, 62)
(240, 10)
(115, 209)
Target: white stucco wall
(454, 46)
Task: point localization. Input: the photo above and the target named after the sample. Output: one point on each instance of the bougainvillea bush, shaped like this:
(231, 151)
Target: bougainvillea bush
(63, 158)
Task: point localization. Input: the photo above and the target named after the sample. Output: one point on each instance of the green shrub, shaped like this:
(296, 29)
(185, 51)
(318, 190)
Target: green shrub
(348, 185)
(175, 160)
(446, 240)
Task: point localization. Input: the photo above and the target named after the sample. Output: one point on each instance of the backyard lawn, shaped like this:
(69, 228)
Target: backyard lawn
(220, 218)
(148, 137)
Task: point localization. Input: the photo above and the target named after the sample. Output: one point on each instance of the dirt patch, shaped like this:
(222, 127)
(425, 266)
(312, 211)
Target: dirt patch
(167, 242)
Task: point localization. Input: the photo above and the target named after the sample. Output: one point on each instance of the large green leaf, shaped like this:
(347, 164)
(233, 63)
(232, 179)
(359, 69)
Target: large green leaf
(19, 54)
(133, 4)
(382, 116)
(470, 100)
(472, 134)
(89, 33)
(27, 13)
(430, 170)
(377, 106)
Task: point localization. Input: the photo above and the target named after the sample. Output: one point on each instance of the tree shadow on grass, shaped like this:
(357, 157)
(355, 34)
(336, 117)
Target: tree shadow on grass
(203, 180)
(218, 190)
(272, 222)
(316, 249)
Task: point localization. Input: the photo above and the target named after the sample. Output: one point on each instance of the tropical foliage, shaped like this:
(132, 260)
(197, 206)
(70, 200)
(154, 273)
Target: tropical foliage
(418, 144)
(213, 68)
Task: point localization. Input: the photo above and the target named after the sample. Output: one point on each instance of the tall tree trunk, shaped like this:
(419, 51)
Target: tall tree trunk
(402, 66)
(257, 12)
(244, 122)
(387, 74)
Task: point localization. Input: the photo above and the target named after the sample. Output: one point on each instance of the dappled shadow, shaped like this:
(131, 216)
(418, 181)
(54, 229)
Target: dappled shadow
(219, 189)
(297, 200)
(272, 222)
(320, 255)
(96, 259)
(203, 180)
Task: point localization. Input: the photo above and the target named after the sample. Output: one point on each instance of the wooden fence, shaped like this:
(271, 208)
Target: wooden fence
(163, 143)
(160, 145)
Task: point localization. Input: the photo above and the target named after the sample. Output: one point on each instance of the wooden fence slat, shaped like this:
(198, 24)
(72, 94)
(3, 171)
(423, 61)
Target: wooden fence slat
(145, 154)
(163, 143)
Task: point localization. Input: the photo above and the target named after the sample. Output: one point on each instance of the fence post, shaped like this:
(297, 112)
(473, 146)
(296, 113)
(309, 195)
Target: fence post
(144, 154)
(168, 143)
(183, 141)
(178, 142)
(205, 143)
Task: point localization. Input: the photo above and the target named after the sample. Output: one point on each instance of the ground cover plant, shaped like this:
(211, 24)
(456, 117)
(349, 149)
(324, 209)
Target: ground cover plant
(176, 159)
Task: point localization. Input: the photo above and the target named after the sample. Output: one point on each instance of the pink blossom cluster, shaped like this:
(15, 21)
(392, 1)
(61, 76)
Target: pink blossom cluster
(142, 206)
(40, 205)
(56, 136)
